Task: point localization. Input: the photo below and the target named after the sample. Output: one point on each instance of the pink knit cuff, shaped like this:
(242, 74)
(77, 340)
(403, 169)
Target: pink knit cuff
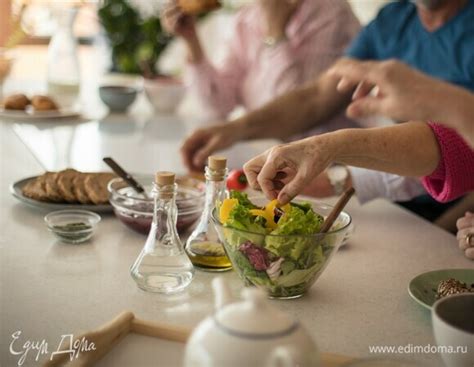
(454, 175)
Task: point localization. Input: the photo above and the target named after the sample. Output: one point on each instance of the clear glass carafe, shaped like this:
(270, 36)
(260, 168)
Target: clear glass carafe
(203, 246)
(162, 265)
(63, 62)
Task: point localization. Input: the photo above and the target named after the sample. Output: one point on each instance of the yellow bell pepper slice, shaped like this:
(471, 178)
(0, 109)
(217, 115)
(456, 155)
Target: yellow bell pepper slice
(270, 208)
(270, 223)
(225, 209)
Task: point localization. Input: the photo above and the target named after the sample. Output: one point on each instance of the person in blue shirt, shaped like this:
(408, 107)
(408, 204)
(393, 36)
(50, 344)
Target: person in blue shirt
(442, 47)
(433, 36)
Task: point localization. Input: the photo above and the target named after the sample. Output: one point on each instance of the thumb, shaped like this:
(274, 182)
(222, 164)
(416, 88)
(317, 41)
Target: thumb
(293, 188)
(363, 107)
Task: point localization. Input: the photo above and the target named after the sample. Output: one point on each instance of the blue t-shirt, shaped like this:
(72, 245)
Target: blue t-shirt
(397, 32)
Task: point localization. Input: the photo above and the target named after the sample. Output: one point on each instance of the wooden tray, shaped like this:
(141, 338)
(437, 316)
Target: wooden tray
(107, 336)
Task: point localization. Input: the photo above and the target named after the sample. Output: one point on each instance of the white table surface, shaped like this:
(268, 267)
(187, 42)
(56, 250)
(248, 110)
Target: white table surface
(49, 289)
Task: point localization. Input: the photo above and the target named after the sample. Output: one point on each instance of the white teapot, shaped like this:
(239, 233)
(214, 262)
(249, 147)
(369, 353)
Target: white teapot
(251, 333)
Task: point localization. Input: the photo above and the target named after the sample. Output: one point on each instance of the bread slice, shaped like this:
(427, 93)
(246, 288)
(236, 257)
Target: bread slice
(96, 187)
(35, 189)
(65, 184)
(51, 187)
(80, 189)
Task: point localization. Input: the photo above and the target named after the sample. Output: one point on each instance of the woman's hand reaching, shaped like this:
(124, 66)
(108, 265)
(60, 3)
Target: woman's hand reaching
(283, 171)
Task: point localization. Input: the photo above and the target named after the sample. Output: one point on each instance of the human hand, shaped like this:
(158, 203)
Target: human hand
(465, 227)
(283, 171)
(319, 187)
(175, 21)
(403, 93)
(203, 142)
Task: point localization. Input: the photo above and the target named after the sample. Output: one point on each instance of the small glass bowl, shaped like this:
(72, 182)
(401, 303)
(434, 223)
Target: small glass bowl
(72, 226)
(136, 212)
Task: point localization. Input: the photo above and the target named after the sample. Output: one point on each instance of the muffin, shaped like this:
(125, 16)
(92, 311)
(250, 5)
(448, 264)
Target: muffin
(16, 102)
(43, 103)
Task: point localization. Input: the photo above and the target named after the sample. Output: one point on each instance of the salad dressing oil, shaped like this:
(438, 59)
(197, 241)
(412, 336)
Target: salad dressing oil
(203, 247)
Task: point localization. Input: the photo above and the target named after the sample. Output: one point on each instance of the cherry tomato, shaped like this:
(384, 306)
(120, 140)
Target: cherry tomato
(237, 180)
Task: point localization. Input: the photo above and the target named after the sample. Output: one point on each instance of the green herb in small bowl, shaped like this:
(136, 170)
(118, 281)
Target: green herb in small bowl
(72, 226)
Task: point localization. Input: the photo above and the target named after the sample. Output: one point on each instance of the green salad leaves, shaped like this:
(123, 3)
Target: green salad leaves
(275, 247)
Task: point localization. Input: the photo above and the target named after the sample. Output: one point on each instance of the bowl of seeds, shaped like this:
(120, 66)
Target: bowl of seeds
(72, 226)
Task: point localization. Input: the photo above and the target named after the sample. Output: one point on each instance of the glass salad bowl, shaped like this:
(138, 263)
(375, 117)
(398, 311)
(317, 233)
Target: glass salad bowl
(136, 211)
(286, 266)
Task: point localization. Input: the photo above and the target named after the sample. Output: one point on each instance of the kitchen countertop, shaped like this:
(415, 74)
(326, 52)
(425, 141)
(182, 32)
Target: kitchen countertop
(49, 289)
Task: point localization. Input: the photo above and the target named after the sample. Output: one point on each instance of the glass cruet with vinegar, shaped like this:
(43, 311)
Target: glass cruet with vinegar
(163, 265)
(203, 245)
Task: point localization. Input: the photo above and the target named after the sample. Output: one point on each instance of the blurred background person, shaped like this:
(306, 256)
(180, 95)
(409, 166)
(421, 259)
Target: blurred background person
(275, 46)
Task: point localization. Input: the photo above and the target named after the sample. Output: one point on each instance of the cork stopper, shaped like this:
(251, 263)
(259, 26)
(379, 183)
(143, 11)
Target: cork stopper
(163, 178)
(217, 163)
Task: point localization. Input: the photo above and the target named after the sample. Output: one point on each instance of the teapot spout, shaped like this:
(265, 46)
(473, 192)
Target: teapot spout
(222, 294)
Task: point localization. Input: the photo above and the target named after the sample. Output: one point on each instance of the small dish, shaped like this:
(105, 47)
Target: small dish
(136, 212)
(423, 288)
(72, 226)
(164, 93)
(117, 98)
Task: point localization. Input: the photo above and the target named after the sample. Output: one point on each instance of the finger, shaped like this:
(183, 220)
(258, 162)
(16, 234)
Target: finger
(346, 85)
(252, 168)
(171, 12)
(293, 188)
(205, 151)
(469, 253)
(266, 177)
(190, 146)
(362, 90)
(367, 106)
(465, 222)
(462, 235)
(354, 71)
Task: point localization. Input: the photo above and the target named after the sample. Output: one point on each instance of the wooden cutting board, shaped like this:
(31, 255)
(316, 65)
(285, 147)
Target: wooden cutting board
(107, 336)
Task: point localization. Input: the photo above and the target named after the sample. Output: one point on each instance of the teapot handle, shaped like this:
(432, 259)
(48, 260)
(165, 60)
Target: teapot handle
(283, 357)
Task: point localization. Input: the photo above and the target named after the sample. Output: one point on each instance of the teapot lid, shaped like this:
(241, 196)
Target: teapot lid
(254, 317)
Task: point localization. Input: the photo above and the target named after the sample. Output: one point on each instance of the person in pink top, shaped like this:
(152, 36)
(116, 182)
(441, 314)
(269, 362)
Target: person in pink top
(276, 45)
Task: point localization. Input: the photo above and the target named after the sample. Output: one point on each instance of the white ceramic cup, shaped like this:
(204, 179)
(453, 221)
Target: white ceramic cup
(453, 326)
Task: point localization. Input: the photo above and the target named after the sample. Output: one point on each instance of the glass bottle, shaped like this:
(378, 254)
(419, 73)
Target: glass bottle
(162, 265)
(63, 63)
(203, 246)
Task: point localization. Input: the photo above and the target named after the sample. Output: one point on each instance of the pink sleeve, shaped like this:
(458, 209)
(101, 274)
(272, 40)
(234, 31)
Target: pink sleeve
(217, 88)
(454, 175)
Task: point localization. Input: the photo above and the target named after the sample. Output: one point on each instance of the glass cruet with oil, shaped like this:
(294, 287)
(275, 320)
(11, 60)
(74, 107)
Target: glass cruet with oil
(163, 265)
(203, 246)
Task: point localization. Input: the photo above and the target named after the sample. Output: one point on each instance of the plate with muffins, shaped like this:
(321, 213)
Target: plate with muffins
(20, 106)
(66, 189)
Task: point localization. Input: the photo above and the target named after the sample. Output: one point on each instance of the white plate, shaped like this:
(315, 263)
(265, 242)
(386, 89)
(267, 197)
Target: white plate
(30, 114)
(16, 190)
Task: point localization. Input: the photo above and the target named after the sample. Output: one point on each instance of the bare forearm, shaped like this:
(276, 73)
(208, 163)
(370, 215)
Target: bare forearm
(409, 149)
(195, 51)
(294, 112)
